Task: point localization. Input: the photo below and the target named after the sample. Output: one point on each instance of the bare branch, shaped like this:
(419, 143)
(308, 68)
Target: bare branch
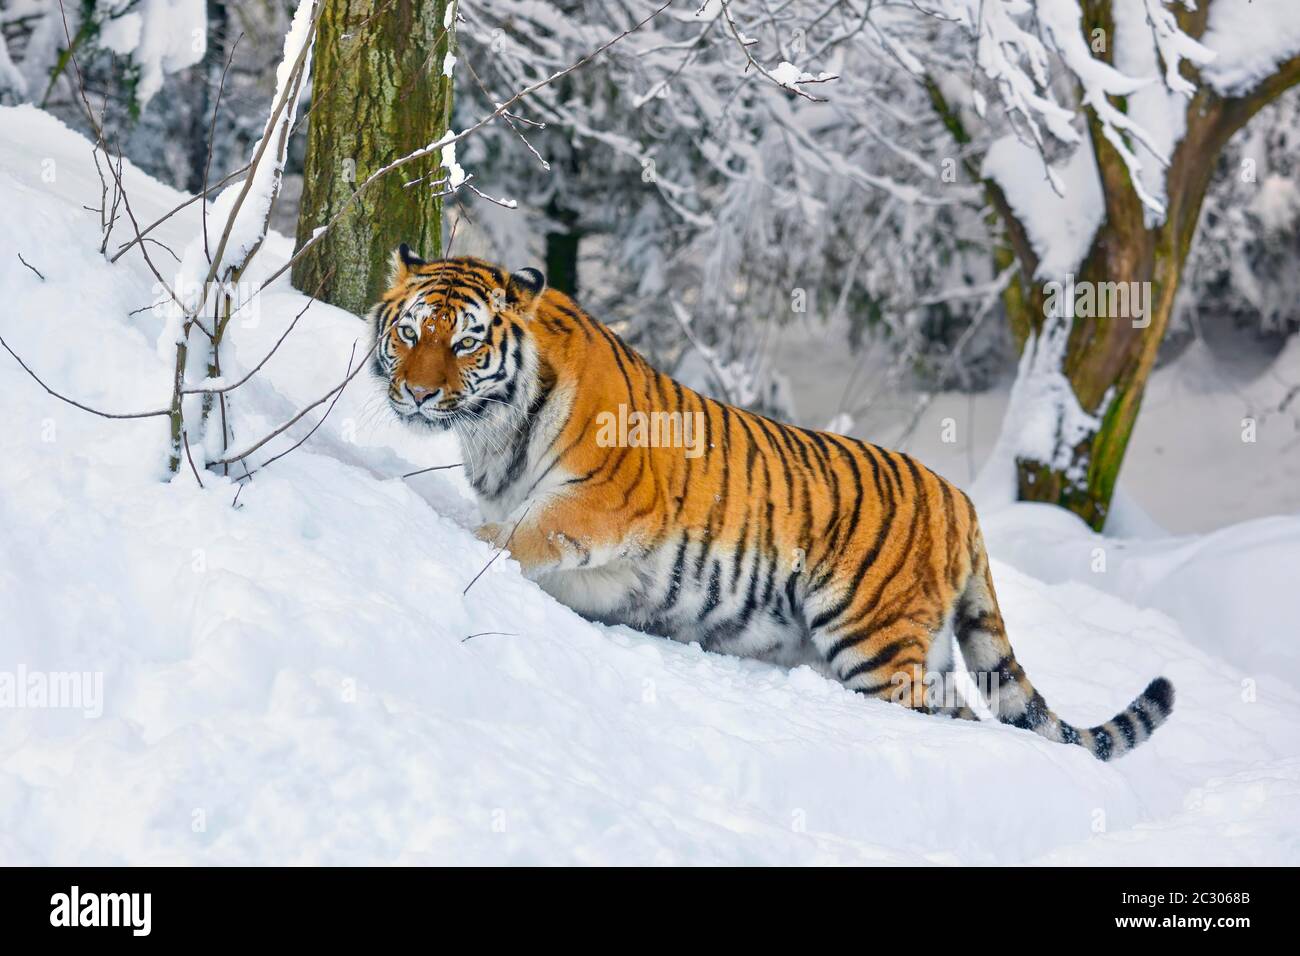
(744, 45)
(186, 436)
(488, 634)
(496, 554)
(266, 358)
(231, 459)
(312, 431)
(212, 139)
(175, 209)
(412, 474)
(73, 402)
(30, 266)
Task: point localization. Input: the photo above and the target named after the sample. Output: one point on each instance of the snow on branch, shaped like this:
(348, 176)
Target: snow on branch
(785, 74)
(246, 207)
(1251, 40)
(1019, 42)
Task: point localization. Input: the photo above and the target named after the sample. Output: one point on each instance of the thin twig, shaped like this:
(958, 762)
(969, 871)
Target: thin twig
(266, 358)
(30, 266)
(220, 184)
(186, 436)
(102, 142)
(487, 634)
(159, 242)
(303, 439)
(212, 139)
(231, 459)
(412, 474)
(744, 48)
(76, 404)
(496, 554)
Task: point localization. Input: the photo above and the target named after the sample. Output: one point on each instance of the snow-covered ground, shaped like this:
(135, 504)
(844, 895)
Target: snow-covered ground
(289, 680)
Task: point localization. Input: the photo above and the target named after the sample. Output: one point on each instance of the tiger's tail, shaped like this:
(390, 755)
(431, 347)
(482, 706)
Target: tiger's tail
(982, 638)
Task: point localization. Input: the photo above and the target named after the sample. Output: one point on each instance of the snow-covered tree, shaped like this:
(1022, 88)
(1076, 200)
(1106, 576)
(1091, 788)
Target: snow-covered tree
(176, 133)
(1119, 112)
(1244, 265)
(713, 181)
(154, 38)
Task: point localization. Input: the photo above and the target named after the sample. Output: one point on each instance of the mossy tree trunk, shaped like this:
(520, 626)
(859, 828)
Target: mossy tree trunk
(1108, 358)
(378, 94)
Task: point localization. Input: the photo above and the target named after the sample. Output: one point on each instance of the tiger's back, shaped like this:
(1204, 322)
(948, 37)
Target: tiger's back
(747, 535)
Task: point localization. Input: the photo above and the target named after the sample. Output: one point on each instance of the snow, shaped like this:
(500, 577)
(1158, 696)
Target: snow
(1184, 576)
(163, 36)
(1061, 223)
(290, 680)
(122, 34)
(446, 144)
(1276, 203)
(1160, 109)
(1250, 39)
(1044, 419)
(787, 74)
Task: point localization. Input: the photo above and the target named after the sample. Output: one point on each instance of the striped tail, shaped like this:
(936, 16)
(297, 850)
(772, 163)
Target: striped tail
(982, 638)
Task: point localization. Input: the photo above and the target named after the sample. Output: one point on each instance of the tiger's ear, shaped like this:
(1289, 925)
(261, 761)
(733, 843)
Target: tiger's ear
(404, 260)
(524, 286)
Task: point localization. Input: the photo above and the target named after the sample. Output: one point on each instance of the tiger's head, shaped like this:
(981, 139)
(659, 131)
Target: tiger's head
(451, 337)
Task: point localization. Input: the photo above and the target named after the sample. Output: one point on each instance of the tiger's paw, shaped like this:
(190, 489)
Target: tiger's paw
(493, 533)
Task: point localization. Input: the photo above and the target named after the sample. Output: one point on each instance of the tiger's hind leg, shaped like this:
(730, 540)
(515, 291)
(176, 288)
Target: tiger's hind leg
(886, 662)
(943, 696)
(906, 662)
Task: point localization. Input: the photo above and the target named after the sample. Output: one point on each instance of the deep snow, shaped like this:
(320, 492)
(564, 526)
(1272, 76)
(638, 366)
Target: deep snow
(289, 681)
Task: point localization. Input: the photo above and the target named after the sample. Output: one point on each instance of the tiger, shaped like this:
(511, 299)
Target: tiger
(750, 537)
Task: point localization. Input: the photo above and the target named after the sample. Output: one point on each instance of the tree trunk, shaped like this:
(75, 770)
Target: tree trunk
(378, 93)
(562, 251)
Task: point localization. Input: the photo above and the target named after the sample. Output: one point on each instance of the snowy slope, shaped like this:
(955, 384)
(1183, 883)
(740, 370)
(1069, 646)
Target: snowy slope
(288, 681)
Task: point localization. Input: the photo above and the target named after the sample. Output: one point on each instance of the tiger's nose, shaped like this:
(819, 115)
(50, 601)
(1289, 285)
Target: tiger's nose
(419, 393)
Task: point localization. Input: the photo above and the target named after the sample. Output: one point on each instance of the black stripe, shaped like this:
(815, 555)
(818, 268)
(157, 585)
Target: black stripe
(844, 643)
(1140, 712)
(675, 577)
(879, 659)
(1126, 729)
(1101, 743)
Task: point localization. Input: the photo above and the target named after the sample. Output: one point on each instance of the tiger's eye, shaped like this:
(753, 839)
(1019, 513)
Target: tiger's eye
(466, 344)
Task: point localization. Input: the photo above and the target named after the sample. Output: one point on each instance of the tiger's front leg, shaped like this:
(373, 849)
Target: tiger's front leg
(535, 550)
(556, 537)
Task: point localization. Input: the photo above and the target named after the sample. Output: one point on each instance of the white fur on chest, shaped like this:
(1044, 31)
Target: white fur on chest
(483, 444)
(602, 592)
